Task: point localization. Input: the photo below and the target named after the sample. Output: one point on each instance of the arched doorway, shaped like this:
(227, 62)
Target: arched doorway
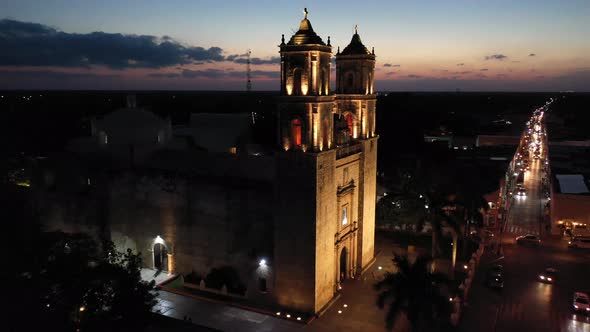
(160, 257)
(343, 261)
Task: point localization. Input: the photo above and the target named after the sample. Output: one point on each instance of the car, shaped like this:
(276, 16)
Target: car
(579, 242)
(528, 239)
(521, 192)
(488, 233)
(581, 302)
(495, 278)
(548, 276)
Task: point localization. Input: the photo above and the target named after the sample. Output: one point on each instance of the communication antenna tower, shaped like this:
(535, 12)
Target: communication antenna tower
(248, 72)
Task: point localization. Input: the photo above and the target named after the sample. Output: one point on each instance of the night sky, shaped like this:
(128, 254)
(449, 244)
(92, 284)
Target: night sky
(498, 45)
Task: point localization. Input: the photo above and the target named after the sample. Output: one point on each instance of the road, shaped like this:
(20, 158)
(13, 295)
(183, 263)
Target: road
(525, 304)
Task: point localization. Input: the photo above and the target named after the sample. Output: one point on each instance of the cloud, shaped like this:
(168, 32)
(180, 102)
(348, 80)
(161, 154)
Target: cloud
(33, 44)
(540, 77)
(50, 74)
(390, 73)
(462, 72)
(532, 54)
(207, 73)
(414, 76)
(390, 65)
(460, 64)
(164, 75)
(483, 69)
(220, 74)
(258, 61)
(496, 57)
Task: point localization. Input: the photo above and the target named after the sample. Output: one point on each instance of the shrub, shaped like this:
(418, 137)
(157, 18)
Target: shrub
(193, 278)
(228, 276)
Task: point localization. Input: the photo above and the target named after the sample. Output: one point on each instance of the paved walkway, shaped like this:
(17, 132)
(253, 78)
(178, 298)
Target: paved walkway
(151, 274)
(355, 310)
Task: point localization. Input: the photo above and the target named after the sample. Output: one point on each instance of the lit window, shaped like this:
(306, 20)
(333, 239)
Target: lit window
(345, 215)
(296, 132)
(349, 123)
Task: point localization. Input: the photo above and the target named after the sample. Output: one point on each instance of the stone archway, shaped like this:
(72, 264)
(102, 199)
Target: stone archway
(160, 257)
(343, 264)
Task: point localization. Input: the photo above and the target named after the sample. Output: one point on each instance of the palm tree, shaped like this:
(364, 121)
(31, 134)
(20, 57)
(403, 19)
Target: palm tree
(443, 218)
(416, 292)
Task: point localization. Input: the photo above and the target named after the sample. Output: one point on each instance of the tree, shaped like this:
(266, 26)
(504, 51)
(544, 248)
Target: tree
(398, 210)
(443, 217)
(417, 293)
(89, 287)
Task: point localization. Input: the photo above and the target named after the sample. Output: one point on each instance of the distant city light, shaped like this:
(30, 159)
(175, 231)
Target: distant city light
(345, 305)
(278, 313)
(288, 316)
(380, 267)
(298, 318)
(339, 311)
(82, 308)
(262, 262)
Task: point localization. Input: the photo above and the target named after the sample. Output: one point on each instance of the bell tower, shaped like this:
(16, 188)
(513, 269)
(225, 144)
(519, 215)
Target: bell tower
(325, 187)
(306, 105)
(355, 70)
(356, 100)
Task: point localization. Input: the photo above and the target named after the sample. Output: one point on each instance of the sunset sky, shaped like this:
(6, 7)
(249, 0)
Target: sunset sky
(518, 45)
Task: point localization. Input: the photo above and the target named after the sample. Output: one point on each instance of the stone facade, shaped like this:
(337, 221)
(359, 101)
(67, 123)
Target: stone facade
(328, 190)
(293, 224)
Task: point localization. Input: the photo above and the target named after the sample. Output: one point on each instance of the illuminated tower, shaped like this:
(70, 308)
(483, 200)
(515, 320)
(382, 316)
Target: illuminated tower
(306, 106)
(355, 69)
(325, 202)
(356, 103)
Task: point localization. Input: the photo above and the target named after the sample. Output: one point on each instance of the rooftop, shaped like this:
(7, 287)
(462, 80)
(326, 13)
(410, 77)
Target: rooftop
(305, 35)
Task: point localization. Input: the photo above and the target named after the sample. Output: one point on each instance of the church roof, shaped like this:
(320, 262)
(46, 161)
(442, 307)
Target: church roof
(355, 47)
(305, 35)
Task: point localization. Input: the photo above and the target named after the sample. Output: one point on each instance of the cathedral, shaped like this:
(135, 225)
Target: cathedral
(293, 224)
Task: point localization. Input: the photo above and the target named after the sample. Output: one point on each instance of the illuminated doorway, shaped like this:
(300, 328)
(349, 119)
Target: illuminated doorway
(160, 257)
(343, 261)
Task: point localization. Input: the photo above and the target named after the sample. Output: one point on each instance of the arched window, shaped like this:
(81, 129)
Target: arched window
(297, 82)
(349, 80)
(325, 135)
(349, 123)
(296, 132)
(325, 82)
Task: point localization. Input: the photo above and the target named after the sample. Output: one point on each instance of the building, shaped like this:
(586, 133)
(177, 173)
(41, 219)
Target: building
(290, 225)
(568, 183)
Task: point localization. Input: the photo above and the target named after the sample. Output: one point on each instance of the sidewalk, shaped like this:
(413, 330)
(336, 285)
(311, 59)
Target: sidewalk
(477, 299)
(219, 316)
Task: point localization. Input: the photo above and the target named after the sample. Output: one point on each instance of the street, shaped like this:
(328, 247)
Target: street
(525, 303)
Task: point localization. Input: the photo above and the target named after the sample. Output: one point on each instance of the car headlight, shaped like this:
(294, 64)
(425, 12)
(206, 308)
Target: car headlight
(542, 277)
(575, 306)
(587, 309)
(549, 279)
